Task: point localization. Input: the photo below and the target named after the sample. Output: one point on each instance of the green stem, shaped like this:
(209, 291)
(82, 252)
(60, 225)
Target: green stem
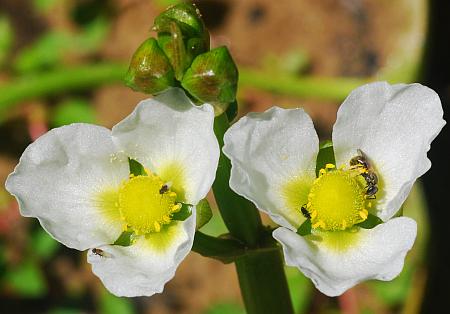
(240, 215)
(322, 88)
(263, 283)
(260, 271)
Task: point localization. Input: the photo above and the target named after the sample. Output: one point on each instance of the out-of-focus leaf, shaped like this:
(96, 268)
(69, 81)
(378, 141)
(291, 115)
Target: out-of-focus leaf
(225, 308)
(300, 289)
(44, 5)
(293, 62)
(6, 38)
(73, 111)
(53, 47)
(42, 244)
(395, 292)
(93, 35)
(47, 51)
(27, 280)
(66, 311)
(110, 304)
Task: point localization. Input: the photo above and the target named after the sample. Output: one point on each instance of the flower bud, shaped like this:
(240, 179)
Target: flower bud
(174, 48)
(182, 36)
(150, 70)
(188, 19)
(213, 78)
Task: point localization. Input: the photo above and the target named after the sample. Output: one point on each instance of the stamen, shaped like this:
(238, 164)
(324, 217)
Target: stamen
(337, 199)
(143, 208)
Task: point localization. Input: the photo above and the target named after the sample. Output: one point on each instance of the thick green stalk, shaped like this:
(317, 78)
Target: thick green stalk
(240, 215)
(261, 274)
(263, 283)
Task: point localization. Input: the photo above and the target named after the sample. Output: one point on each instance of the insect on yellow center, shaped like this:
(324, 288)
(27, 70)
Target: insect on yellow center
(146, 204)
(337, 199)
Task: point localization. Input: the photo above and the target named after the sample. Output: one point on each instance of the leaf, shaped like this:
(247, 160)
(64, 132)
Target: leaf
(136, 168)
(204, 213)
(305, 228)
(370, 222)
(325, 156)
(184, 213)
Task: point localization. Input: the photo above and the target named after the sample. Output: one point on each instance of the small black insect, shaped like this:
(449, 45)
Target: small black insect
(98, 252)
(164, 189)
(305, 212)
(361, 161)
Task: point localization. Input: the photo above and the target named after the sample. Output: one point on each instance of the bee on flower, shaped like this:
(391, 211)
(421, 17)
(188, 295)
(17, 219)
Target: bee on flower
(380, 142)
(90, 187)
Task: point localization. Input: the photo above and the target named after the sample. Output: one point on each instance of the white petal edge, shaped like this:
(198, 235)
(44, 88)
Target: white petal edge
(378, 254)
(58, 179)
(169, 129)
(139, 269)
(267, 150)
(394, 125)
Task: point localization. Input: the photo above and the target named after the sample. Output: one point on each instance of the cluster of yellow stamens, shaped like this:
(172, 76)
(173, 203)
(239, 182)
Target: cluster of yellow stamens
(337, 199)
(146, 204)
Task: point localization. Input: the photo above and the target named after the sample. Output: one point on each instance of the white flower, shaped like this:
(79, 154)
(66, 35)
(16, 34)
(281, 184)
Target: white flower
(76, 181)
(273, 157)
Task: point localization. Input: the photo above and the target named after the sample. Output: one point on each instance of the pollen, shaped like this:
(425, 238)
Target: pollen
(337, 199)
(143, 207)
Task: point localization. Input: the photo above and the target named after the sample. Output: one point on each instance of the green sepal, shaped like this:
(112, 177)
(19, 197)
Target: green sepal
(174, 48)
(232, 111)
(184, 213)
(325, 155)
(305, 228)
(399, 213)
(212, 78)
(371, 222)
(136, 168)
(203, 212)
(125, 239)
(150, 70)
(188, 18)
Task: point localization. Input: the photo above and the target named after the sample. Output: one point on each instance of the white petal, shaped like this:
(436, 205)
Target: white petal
(143, 268)
(59, 180)
(267, 151)
(377, 253)
(394, 126)
(171, 136)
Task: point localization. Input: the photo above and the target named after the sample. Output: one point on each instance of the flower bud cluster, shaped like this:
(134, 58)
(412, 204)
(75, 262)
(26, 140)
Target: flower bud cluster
(180, 55)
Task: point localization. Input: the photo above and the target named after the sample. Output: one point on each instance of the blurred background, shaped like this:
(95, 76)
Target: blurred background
(62, 61)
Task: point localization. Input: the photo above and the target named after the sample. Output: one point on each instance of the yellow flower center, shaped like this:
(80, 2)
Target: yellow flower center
(146, 203)
(337, 199)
